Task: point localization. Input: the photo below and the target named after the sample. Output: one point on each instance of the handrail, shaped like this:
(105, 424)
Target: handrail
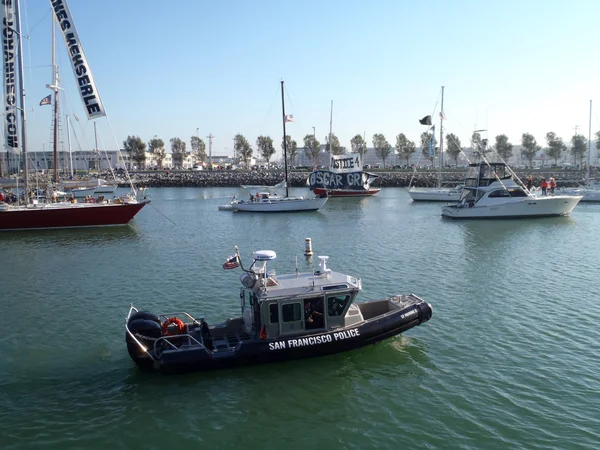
(166, 338)
(162, 338)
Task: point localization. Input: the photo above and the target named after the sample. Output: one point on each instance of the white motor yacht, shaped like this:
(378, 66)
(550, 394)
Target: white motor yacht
(492, 191)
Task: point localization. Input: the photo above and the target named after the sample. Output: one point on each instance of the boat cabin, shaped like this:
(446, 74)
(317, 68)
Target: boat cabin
(300, 303)
(483, 174)
(479, 184)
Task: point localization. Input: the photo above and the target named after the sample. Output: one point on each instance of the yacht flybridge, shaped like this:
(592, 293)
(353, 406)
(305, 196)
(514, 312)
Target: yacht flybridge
(283, 317)
(492, 191)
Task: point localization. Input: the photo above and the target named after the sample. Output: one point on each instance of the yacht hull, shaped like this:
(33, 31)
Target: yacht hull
(280, 205)
(434, 194)
(67, 215)
(524, 207)
(346, 192)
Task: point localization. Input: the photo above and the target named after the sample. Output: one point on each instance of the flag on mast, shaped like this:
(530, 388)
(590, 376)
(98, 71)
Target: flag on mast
(47, 100)
(289, 118)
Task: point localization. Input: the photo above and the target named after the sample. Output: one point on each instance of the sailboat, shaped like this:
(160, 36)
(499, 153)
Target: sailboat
(271, 202)
(344, 177)
(439, 193)
(29, 213)
(590, 191)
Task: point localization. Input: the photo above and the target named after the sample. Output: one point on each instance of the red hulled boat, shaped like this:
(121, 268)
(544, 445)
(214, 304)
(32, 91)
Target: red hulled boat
(67, 215)
(23, 212)
(346, 192)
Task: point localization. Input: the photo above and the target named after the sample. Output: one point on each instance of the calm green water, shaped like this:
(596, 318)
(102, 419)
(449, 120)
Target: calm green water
(510, 359)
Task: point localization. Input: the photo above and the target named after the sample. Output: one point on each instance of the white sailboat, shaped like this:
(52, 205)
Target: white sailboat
(439, 193)
(591, 190)
(269, 202)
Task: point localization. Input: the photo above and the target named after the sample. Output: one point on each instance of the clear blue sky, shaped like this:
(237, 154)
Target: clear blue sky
(168, 68)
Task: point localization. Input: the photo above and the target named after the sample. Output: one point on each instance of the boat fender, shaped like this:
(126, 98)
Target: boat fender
(425, 312)
(144, 315)
(169, 321)
(146, 332)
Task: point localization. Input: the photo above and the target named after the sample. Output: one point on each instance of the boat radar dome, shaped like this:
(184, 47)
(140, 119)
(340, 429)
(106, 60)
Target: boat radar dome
(264, 255)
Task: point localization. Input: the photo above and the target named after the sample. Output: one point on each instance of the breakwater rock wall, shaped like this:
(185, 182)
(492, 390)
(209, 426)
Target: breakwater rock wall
(298, 179)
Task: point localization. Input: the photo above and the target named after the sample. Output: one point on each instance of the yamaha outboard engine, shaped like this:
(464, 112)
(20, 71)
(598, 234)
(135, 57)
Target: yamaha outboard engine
(147, 329)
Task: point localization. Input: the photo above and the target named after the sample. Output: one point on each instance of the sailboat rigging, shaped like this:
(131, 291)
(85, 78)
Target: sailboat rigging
(437, 193)
(270, 202)
(28, 213)
(590, 191)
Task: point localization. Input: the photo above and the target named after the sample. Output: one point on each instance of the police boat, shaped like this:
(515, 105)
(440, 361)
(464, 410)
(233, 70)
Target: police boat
(283, 317)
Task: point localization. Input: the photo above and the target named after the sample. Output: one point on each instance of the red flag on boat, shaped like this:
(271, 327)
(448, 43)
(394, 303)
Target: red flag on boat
(231, 263)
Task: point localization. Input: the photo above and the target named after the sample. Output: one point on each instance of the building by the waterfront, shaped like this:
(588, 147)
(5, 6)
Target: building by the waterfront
(92, 160)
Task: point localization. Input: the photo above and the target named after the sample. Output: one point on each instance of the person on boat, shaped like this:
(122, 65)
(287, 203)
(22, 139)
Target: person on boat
(544, 186)
(251, 197)
(313, 314)
(529, 183)
(552, 185)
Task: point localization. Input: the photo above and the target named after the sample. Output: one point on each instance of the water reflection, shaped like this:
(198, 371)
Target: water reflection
(493, 233)
(70, 235)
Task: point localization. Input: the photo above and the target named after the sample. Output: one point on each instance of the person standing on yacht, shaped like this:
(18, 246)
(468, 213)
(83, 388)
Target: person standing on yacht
(552, 185)
(544, 186)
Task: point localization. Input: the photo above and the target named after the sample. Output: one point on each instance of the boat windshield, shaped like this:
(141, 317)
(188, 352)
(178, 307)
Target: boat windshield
(484, 174)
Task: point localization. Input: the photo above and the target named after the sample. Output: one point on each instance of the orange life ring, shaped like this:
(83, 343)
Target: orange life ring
(169, 321)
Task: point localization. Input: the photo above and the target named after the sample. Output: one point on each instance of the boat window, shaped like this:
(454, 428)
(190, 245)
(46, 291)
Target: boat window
(334, 287)
(517, 192)
(273, 313)
(291, 312)
(499, 193)
(336, 305)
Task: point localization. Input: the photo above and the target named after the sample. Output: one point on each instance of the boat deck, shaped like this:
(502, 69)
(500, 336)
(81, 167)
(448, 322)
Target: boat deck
(229, 341)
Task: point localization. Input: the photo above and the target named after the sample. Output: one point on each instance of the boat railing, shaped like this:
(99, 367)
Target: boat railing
(195, 321)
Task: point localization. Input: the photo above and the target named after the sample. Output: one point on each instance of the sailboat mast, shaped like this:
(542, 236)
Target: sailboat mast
(285, 161)
(69, 144)
(22, 99)
(54, 87)
(589, 146)
(441, 140)
(330, 126)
